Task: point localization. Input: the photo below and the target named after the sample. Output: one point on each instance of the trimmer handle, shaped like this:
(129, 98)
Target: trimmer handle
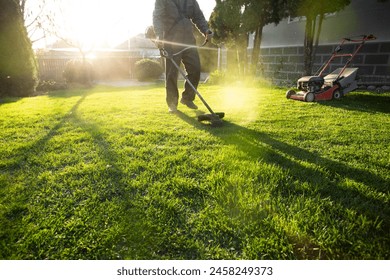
(150, 34)
(164, 53)
(209, 34)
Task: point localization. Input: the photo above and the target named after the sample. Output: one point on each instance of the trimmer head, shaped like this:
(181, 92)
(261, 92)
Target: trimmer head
(214, 119)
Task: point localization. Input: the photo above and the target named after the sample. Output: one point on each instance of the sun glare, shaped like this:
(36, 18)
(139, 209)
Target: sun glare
(93, 24)
(102, 23)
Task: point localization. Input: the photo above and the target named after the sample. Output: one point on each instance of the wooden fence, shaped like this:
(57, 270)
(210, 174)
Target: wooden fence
(52, 68)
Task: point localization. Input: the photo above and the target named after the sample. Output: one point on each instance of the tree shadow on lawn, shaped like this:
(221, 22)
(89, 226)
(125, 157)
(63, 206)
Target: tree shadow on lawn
(35, 147)
(118, 191)
(7, 100)
(250, 138)
(133, 239)
(324, 175)
(372, 103)
(252, 143)
(137, 236)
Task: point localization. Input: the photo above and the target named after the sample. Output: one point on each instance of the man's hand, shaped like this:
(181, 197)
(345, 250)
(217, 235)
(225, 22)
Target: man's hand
(159, 43)
(209, 35)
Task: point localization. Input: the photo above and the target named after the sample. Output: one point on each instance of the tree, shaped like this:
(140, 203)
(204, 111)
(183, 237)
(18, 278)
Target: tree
(234, 20)
(256, 15)
(18, 69)
(226, 22)
(38, 18)
(314, 11)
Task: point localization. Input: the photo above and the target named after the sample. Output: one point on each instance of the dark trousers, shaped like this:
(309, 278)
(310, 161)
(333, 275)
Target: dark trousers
(191, 61)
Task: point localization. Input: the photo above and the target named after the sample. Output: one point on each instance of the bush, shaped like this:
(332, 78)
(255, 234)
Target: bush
(147, 69)
(78, 71)
(50, 85)
(20, 85)
(217, 77)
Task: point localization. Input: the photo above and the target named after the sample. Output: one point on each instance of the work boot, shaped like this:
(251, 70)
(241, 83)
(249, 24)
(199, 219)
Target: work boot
(172, 108)
(189, 104)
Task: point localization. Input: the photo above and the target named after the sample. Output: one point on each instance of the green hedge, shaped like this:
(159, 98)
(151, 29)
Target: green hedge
(147, 69)
(18, 67)
(78, 71)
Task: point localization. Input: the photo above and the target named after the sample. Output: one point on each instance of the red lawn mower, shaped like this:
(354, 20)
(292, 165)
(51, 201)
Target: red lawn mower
(334, 85)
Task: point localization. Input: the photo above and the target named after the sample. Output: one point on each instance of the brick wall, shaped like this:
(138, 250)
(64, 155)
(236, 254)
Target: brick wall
(284, 65)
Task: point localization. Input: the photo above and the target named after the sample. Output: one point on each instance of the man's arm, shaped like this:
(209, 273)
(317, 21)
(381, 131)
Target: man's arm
(199, 20)
(158, 18)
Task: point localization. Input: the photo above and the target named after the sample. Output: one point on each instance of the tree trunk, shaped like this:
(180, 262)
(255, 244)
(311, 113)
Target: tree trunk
(245, 53)
(308, 46)
(317, 35)
(238, 60)
(232, 61)
(256, 49)
(243, 56)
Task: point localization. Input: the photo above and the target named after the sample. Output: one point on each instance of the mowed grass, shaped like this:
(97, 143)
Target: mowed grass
(107, 173)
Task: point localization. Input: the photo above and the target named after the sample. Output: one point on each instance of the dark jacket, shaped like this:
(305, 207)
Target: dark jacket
(172, 24)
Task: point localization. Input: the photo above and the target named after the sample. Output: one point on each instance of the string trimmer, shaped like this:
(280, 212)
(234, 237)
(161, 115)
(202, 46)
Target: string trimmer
(215, 118)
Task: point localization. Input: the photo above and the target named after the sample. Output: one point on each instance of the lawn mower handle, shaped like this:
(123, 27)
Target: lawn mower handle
(363, 38)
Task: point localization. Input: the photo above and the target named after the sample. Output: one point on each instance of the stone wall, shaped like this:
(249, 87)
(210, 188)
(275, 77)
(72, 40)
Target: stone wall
(284, 65)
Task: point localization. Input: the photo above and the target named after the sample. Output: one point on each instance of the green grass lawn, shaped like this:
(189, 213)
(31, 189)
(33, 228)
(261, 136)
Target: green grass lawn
(107, 173)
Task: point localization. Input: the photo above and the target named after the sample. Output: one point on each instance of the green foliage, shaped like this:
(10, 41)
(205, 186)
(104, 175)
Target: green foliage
(107, 173)
(313, 9)
(147, 69)
(79, 71)
(50, 85)
(18, 70)
(234, 21)
(225, 21)
(217, 77)
(209, 55)
(260, 13)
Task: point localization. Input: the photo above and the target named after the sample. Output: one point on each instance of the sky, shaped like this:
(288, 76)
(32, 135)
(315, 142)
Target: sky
(108, 22)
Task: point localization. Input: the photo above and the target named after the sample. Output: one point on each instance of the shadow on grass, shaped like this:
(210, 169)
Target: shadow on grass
(117, 192)
(131, 241)
(258, 146)
(327, 183)
(369, 103)
(249, 141)
(23, 153)
(8, 100)
(135, 236)
(205, 125)
(324, 175)
(21, 163)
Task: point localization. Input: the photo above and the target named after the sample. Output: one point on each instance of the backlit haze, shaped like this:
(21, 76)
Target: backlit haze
(103, 23)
